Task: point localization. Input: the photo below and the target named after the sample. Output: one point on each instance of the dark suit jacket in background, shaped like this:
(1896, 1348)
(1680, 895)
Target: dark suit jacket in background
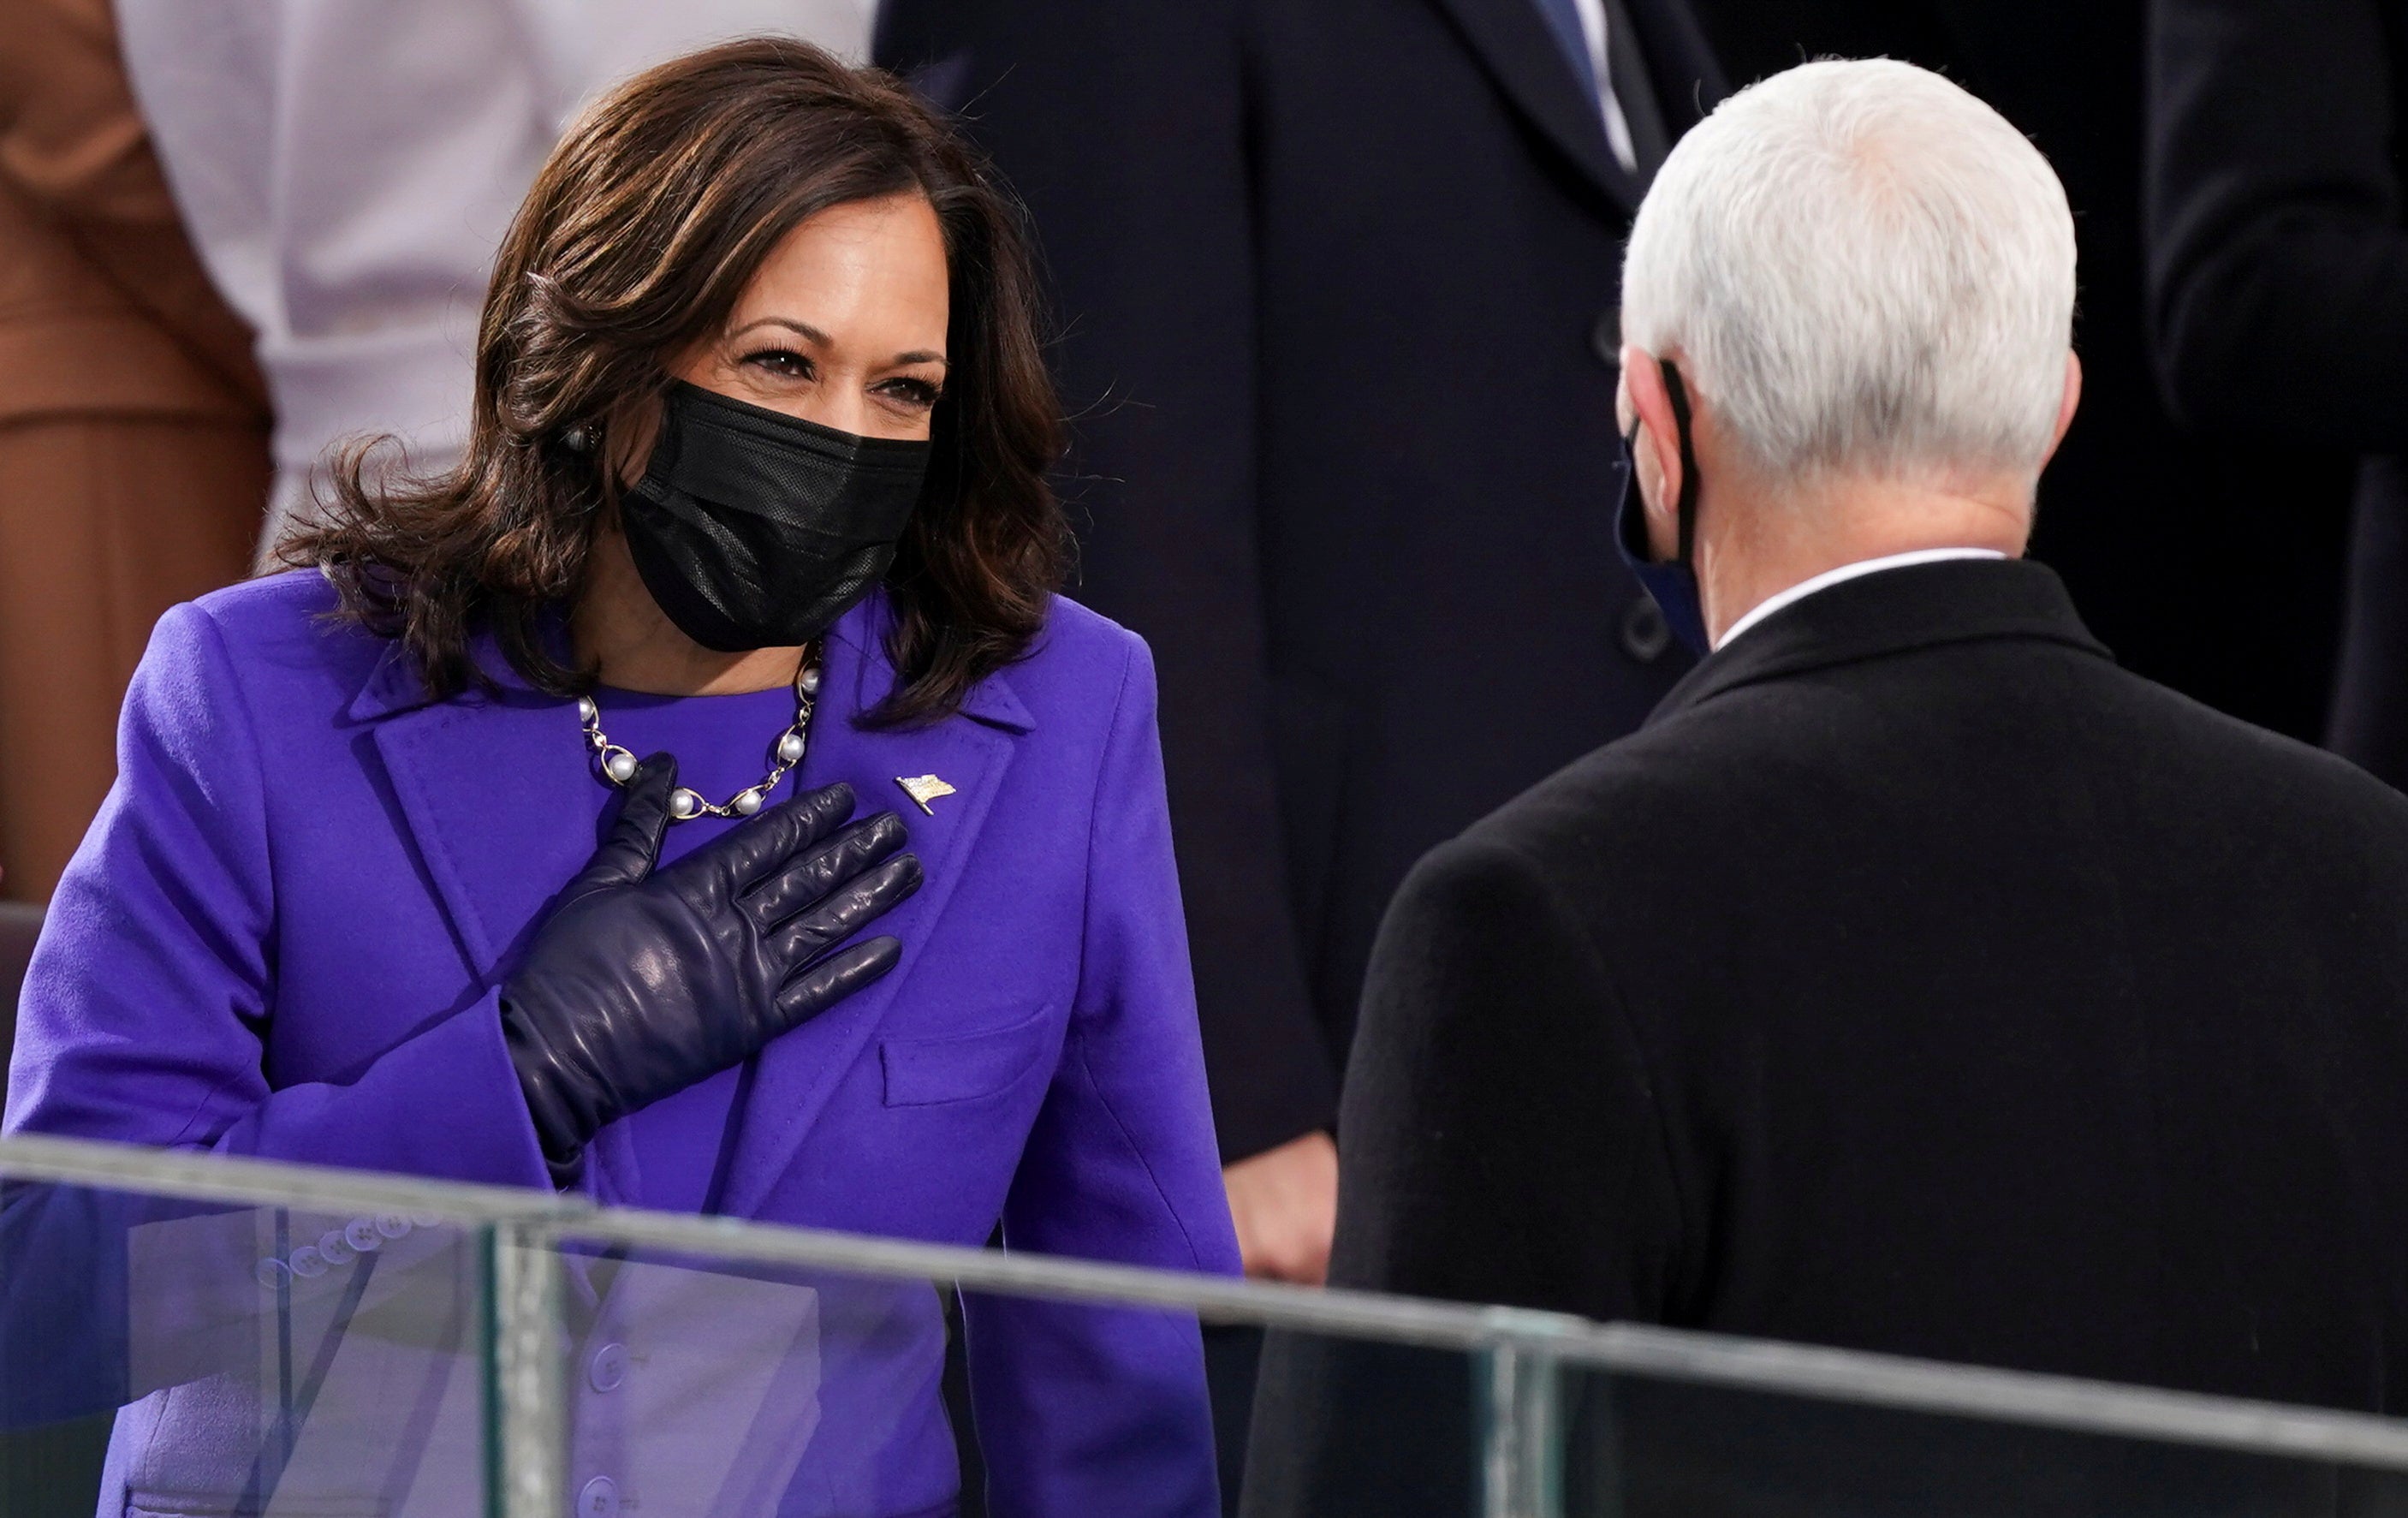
(2212, 558)
(1918, 981)
(1338, 284)
(2279, 277)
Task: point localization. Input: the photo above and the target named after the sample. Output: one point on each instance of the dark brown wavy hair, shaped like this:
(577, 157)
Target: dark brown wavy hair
(635, 242)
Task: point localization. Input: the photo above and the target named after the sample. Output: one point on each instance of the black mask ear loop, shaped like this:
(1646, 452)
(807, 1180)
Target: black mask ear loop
(1686, 511)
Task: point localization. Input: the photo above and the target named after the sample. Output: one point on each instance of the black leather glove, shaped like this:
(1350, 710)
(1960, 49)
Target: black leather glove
(639, 984)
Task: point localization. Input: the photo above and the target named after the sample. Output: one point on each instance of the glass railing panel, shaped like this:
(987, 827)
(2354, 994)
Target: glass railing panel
(683, 1385)
(1344, 1425)
(1642, 1446)
(1659, 1424)
(234, 1337)
(1621, 1423)
(242, 1359)
(690, 1383)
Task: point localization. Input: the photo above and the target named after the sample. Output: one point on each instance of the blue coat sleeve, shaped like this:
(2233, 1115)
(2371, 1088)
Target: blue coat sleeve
(1084, 1410)
(145, 1012)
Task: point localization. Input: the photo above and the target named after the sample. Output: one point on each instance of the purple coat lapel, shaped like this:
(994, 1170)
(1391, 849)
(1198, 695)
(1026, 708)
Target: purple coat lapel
(498, 849)
(496, 790)
(801, 1070)
(499, 800)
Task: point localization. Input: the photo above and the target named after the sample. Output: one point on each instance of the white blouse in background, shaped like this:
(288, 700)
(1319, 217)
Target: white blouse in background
(347, 167)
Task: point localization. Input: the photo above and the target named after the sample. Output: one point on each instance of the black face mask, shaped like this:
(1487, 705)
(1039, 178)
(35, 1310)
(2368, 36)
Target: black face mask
(754, 529)
(1673, 582)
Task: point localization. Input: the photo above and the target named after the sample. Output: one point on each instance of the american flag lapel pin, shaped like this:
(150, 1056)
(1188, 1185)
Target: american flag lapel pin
(923, 789)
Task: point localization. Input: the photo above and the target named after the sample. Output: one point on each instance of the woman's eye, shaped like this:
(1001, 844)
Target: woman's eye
(783, 362)
(918, 393)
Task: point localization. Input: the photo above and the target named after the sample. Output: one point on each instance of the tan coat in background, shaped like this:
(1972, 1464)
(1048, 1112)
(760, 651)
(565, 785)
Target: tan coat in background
(134, 461)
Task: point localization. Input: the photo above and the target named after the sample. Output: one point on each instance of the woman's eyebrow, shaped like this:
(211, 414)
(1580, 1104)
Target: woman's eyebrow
(801, 329)
(814, 335)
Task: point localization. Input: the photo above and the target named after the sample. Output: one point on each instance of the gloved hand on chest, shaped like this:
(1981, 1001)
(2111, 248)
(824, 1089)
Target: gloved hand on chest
(643, 981)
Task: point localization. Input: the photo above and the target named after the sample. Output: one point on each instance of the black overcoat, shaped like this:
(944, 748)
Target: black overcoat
(1337, 285)
(1918, 981)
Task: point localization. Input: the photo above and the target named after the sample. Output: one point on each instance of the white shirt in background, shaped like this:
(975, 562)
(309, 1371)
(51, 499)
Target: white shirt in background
(346, 169)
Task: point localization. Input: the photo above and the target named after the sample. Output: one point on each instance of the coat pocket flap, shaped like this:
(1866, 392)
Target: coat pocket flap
(920, 1072)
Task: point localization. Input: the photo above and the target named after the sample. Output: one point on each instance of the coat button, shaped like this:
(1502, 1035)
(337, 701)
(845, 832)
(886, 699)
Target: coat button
(1605, 338)
(271, 1272)
(361, 1234)
(392, 1225)
(608, 1370)
(307, 1263)
(599, 1499)
(1645, 635)
(335, 1248)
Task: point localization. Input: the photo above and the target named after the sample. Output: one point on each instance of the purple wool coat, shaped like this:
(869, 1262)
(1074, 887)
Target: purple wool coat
(284, 935)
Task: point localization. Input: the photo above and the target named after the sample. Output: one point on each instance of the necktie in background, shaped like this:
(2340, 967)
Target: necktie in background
(1625, 98)
(1563, 19)
(1629, 99)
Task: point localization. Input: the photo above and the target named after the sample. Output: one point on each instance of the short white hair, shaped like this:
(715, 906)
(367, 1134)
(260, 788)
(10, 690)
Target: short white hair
(1864, 271)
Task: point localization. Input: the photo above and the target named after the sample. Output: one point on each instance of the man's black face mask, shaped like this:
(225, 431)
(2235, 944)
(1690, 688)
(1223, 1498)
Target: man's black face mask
(1673, 582)
(754, 529)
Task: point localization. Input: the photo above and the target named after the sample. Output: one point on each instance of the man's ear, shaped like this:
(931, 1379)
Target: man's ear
(1659, 452)
(2067, 407)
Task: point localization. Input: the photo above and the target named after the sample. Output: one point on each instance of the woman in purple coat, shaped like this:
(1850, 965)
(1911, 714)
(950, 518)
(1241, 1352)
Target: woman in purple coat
(756, 489)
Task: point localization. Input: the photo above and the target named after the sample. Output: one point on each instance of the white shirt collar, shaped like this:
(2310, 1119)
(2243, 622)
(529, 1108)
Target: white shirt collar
(1830, 578)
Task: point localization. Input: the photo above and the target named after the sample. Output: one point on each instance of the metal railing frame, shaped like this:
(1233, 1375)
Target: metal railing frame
(1524, 1354)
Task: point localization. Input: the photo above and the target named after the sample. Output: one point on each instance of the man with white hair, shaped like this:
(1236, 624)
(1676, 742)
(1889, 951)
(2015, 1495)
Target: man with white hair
(1916, 980)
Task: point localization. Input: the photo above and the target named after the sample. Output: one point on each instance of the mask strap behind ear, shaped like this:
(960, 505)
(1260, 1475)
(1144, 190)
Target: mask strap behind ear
(1687, 509)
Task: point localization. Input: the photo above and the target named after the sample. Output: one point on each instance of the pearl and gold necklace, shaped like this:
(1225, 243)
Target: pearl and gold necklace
(618, 766)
